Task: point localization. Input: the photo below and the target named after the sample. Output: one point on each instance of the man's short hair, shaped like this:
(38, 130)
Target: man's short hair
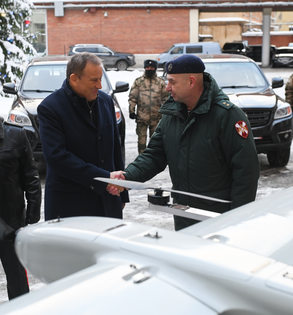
(185, 64)
(78, 62)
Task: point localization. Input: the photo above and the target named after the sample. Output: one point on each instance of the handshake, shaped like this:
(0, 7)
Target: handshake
(114, 189)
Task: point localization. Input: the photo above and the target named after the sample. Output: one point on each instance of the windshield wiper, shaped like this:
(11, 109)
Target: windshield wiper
(39, 91)
(237, 86)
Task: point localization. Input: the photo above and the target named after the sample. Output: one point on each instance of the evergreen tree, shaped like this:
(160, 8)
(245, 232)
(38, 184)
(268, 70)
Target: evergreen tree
(15, 38)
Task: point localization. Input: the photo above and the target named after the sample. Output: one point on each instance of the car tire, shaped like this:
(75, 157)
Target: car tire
(122, 65)
(279, 158)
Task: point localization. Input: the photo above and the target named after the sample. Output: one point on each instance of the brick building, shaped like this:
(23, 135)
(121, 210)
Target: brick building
(136, 27)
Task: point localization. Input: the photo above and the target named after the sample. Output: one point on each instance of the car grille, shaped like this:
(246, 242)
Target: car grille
(38, 147)
(258, 117)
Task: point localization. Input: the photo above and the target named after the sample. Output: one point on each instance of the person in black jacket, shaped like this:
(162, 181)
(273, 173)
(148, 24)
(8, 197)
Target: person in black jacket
(18, 178)
(80, 141)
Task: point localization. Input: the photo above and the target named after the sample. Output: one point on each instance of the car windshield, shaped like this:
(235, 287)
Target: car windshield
(49, 78)
(233, 46)
(283, 51)
(236, 74)
(168, 49)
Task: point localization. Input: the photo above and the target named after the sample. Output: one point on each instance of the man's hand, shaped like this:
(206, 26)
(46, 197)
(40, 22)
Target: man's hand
(132, 116)
(115, 190)
(31, 219)
(33, 213)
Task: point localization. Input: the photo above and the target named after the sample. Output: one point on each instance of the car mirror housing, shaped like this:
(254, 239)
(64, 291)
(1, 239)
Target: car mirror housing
(277, 83)
(10, 88)
(121, 87)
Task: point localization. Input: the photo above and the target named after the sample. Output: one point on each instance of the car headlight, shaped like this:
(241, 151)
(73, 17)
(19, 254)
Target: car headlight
(283, 111)
(130, 57)
(19, 118)
(118, 113)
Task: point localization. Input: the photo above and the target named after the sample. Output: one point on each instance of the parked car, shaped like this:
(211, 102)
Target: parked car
(187, 48)
(240, 48)
(110, 58)
(283, 57)
(255, 52)
(270, 116)
(42, 77)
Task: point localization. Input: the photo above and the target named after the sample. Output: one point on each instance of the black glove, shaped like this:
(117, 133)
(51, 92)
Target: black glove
(32, 214)
(132, 116)
(31, 219)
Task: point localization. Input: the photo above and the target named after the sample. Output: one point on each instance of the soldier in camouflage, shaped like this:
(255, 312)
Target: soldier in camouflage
(148, 93)
(289, 91)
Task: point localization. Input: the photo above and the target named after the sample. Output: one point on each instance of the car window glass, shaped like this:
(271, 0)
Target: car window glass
(233, 74)
(284, 51)
(194, 49)
(49, 78)
(92, 50)
(169, 49)
(104, 51)
(79, 49)
(177, 50)
(233, 46)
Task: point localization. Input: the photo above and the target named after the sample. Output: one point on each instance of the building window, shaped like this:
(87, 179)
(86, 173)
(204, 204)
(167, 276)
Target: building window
(38, 27)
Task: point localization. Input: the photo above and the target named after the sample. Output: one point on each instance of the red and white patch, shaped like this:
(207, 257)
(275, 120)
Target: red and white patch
(242, 129)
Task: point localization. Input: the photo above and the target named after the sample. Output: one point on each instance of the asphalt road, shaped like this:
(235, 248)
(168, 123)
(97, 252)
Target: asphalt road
(271, 180)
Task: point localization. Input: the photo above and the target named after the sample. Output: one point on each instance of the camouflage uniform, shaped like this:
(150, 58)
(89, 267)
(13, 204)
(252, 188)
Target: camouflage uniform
(289, 91)
(148, 94)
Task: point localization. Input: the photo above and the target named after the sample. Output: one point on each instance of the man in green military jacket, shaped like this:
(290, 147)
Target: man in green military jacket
(205, 140)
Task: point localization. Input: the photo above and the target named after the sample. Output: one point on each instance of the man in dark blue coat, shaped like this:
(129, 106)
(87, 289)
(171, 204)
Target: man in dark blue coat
(80, 141)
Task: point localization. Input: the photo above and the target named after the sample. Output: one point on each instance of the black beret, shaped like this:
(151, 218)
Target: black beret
(185, 64)
(150, 63)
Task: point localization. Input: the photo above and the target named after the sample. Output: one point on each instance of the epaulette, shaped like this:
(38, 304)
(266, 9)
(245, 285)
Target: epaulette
(225, 104)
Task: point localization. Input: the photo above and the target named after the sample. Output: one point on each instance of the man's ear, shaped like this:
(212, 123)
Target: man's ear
(192, 81)
(73, 79)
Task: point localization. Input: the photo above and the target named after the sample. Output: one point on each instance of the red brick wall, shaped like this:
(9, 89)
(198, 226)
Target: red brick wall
(127, 30)
(278, 40)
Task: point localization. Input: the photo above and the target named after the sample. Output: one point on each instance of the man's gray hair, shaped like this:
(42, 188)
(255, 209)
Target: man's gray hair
(78, 62)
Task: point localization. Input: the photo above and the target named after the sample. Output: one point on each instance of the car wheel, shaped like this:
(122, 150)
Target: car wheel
(122, 65)
(279, 158)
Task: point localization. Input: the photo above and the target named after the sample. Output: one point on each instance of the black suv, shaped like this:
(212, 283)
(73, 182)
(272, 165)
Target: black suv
(283, 57)
(110, 58)
(255, 52)
(240, 48)
(269, 115)
(42, 77)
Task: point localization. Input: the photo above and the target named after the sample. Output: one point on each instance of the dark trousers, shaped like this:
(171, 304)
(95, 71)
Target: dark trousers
(17, 282)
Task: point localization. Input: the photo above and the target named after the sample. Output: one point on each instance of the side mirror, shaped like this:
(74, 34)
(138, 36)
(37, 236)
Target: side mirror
(121, 87)
(10, 88)
(277, 83)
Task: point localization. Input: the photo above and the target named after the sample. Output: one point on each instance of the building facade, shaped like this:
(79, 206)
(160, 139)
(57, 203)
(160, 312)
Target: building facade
(138, 28)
